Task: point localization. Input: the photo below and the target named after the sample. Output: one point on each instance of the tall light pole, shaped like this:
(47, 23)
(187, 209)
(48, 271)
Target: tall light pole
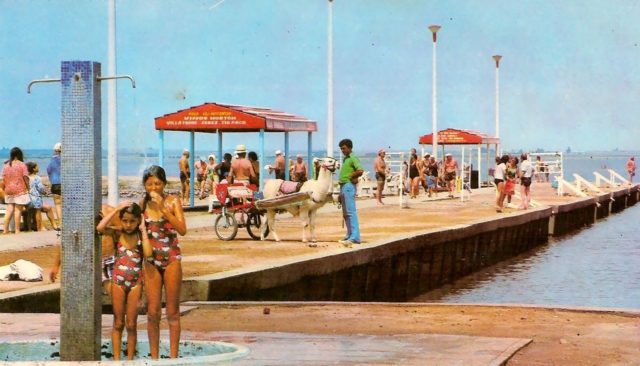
(499, 146)
(434, 109)
(330, 82)
(112, 126)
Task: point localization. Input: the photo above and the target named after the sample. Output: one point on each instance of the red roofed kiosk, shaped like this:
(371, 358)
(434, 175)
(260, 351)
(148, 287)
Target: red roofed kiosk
(452, 136)
(219, 118)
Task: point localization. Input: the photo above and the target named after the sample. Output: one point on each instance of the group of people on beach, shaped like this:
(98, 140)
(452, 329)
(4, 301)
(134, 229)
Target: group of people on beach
(425, 172)
(22, 190)
(430, 174)
(241, 166)
(507, 173)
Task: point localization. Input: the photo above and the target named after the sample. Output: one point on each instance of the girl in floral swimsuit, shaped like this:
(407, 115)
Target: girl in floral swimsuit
(165, 220)
(131, 246)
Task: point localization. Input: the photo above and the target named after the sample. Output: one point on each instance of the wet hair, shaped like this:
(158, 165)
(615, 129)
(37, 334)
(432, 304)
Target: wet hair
(31, 166)
(154, 171)
(134, 209)
(15, 154)
(253, 156)
(227, 156)
(346, 142)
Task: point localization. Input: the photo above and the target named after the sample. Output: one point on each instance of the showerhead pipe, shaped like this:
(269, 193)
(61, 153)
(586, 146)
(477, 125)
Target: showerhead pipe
(37, 81)
(133, 81)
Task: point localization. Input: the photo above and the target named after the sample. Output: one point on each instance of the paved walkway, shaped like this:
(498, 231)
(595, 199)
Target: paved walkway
(282, 348)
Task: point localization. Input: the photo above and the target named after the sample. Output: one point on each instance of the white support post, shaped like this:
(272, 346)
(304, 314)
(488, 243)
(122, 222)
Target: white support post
(600, 178)
(479, 165)
(562, 184)
(613, 175)
(580, 181)
(462, 176)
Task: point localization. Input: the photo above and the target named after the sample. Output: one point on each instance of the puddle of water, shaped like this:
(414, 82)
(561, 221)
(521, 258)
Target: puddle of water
(191, 352)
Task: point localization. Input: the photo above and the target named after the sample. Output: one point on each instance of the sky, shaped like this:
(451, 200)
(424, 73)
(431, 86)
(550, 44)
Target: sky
(569, 76)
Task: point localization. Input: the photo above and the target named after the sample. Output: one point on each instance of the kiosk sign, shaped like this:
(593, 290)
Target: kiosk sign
(209, 117)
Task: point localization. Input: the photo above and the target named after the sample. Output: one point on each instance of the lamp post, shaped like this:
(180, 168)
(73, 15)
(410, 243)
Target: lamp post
(434, 109)
(498, 147)
(112, 130)
(330, 81)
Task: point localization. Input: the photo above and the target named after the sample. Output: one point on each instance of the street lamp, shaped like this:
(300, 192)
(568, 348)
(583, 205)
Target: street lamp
(497, 59)
(112, 130)
(434, 109)
(330, 82)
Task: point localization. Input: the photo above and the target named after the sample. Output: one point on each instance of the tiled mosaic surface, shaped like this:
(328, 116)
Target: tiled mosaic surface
(81, 194)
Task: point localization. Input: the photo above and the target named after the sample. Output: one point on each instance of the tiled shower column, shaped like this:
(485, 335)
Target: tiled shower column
(80, 295)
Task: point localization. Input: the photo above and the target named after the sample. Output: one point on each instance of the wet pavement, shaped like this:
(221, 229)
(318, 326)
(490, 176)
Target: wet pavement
(286, 348)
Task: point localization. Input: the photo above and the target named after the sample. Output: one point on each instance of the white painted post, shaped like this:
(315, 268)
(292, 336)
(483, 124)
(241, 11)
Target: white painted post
(434, 109)
(497, 59)
(330, 82)
(112, 125)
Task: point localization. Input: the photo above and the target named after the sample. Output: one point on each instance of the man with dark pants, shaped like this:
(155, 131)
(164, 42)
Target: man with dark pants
(349, 172)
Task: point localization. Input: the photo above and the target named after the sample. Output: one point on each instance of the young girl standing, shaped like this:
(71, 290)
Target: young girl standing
(132, 246)
(165, 220)
(36, 190)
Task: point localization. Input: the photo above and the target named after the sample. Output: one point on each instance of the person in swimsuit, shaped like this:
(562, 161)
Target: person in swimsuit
(131, 247)
(631, 168)
(511, 173)
(211, 179)
(499, 179)
(380, 167)
(241, 168)
(450, 169)
(432, 175)
(253, 158)
(164, 220)
(299, 170)
(414, 176)
(201, 173)
(185, 174)
(526, 172)
(224, 167)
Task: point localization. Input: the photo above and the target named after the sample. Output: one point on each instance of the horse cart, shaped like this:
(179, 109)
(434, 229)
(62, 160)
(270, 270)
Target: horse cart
(236, 208)
(239, 207)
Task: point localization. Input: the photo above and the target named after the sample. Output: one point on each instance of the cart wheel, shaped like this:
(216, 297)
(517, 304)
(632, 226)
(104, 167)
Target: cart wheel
(254, 221)
(226, 226)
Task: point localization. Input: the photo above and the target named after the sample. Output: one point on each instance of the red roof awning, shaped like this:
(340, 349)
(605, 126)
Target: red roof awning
(215, 117)
(452, 136)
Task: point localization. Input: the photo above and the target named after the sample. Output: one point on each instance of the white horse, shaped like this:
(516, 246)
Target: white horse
(319, 190)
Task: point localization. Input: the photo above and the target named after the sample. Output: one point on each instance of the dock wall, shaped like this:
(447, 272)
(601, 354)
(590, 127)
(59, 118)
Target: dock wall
(395, 269)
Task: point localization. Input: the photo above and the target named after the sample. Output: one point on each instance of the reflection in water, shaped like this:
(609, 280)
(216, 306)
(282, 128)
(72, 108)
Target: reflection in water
(598, 266)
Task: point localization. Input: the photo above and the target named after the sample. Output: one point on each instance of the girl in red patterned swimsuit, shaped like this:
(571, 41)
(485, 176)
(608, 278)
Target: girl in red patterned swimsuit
(131, 247)
(165, 220)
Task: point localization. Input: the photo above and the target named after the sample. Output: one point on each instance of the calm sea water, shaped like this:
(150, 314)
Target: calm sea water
(598, 266)
(133, 164)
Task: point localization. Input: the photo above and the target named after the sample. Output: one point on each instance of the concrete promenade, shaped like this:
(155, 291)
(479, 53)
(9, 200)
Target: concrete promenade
(207, 259)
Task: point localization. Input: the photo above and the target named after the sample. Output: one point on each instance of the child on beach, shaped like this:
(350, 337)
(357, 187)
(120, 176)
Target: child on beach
(132, 247)
(163, 268)
(36, 190)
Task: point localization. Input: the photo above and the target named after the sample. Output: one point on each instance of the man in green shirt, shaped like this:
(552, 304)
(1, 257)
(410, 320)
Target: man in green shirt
(349, 172)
